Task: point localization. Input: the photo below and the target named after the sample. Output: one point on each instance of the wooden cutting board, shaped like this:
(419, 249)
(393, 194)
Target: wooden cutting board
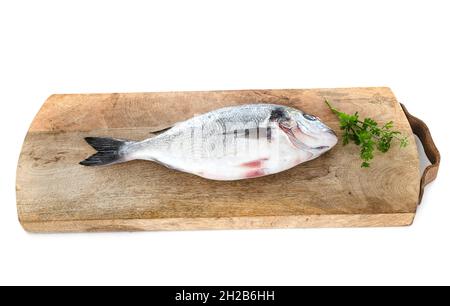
(56, 194)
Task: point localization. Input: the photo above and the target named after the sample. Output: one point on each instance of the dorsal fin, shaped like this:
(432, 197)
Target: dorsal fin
(161, 129)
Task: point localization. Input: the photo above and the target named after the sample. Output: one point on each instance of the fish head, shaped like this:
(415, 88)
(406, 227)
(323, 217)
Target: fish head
(307, 132)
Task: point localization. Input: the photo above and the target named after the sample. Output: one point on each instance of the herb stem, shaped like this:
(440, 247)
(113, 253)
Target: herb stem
(367, 134)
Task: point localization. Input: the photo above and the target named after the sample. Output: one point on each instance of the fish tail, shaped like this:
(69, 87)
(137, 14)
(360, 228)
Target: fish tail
(109, 151)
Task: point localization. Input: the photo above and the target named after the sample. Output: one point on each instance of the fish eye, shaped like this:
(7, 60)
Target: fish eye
(310, 117)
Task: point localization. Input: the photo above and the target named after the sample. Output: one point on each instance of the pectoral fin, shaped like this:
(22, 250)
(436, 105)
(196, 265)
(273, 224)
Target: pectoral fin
(294, 140)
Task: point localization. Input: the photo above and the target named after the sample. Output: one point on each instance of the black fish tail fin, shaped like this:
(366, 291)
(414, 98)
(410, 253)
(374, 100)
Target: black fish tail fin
(110, 151)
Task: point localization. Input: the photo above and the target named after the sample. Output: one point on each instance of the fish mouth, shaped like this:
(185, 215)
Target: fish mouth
(320, 147)
(332, 132)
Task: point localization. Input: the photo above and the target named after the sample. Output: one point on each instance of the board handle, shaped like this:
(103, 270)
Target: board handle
(421, 130)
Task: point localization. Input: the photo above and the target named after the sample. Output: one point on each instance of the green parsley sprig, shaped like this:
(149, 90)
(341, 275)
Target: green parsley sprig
(367, 134)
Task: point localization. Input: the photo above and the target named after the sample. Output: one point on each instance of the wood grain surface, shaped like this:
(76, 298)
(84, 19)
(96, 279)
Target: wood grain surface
(56, 194)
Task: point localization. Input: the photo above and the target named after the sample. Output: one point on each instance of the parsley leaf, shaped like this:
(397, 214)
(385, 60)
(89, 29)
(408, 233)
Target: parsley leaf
(367, 134)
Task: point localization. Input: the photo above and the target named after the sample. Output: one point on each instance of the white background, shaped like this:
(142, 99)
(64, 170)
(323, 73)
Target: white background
(51, 47)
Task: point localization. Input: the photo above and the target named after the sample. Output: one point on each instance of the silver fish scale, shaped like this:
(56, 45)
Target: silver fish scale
(217, 134)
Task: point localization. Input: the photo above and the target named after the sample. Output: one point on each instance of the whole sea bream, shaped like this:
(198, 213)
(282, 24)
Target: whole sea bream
(230, 143)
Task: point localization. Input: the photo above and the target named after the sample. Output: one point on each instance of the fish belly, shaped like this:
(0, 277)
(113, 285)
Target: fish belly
(229, 156)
